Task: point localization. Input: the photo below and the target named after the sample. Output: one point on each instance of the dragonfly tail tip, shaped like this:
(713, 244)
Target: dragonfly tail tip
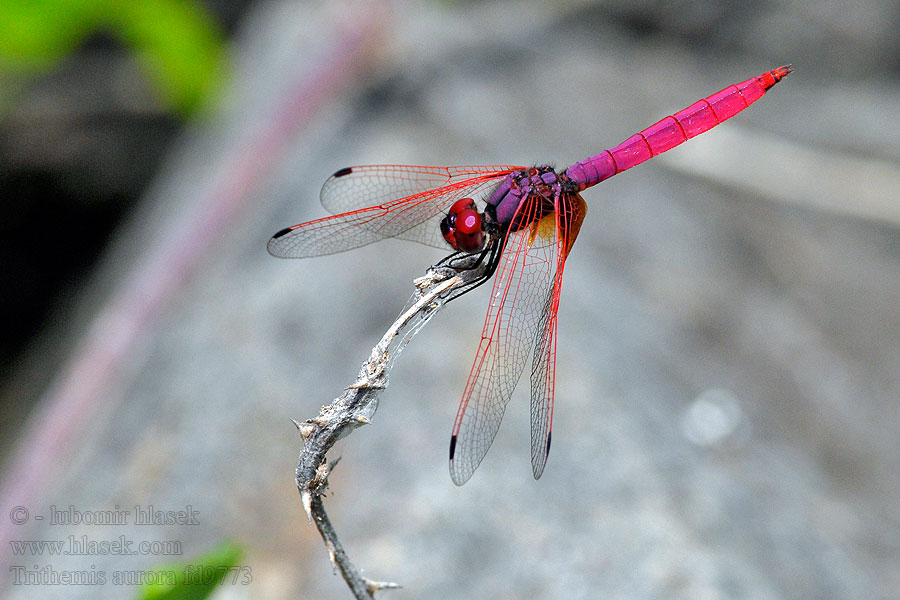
(782, 72)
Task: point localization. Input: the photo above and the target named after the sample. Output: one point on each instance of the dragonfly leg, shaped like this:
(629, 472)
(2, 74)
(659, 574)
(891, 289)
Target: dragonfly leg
(448, 260)
(463, 261)
(491, 254)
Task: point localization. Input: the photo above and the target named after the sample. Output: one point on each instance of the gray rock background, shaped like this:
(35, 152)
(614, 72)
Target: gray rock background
(727, 382)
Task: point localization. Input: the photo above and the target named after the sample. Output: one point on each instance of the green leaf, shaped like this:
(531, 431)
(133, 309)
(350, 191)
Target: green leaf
(36, 33)
(198, 578)
(179, 47)
(176, 42)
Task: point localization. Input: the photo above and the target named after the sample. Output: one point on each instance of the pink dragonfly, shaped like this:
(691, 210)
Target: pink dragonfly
(522, 221)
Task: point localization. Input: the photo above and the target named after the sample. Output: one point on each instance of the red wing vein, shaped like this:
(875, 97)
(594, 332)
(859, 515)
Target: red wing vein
(509, 332)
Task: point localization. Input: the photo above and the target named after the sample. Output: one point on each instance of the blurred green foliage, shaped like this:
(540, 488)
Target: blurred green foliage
(198, 578)
(176, 42)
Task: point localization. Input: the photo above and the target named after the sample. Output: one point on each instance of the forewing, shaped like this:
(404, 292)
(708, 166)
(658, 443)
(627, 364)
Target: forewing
(353, 188)
(513, 321)
(380, 201)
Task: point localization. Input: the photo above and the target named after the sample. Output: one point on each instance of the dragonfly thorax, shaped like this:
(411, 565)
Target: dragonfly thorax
(541, 181)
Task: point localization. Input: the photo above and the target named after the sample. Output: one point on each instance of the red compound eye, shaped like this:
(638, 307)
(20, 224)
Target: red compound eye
(461, 205)
(462, 226)
(468, 222)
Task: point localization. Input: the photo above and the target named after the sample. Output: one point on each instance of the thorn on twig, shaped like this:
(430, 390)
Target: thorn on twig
(306, 499)
(306, 428)
(375, 586)
(320, 480)
(333, 464)
(333, 558)
(367, 384)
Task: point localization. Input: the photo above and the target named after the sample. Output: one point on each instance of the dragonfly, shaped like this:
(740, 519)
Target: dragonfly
(519, 223)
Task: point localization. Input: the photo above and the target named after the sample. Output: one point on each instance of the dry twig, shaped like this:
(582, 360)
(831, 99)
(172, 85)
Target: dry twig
(357, 405)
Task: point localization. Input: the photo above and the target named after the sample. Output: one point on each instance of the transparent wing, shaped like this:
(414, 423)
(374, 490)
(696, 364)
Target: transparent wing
(513, 322)
(569, 215)
(354, 188)
(381, 201)
(543, 380)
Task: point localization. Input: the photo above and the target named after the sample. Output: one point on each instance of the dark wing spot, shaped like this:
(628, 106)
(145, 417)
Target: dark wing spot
(452, 446)
(547, 451)
(342, 172)
(281, 233)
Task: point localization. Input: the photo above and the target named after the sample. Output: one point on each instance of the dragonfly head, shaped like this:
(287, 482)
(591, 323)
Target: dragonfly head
(463, 226)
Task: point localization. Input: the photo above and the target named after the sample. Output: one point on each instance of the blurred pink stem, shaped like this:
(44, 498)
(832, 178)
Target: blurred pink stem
(86, 385)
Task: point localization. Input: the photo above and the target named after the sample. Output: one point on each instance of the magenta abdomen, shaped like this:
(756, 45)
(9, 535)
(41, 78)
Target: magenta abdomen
(727, 103)
(669, 132)
(696, 118)
(751, 90)
(632, 151)
(664, 135)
